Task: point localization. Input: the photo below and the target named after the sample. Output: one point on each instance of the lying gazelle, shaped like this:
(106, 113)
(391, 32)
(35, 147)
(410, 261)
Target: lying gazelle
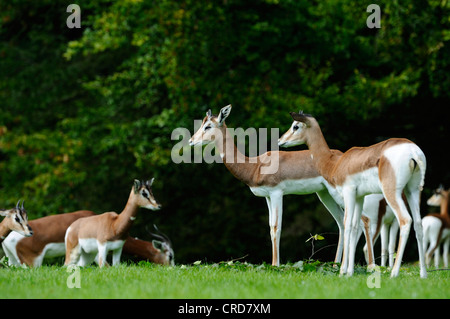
(48, 242)
(436, 227)
(296, 175)
(16, 219)
(97, 235)
(157, 251)
(390, 167)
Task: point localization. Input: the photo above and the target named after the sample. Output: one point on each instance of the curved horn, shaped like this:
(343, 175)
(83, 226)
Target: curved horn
(161, 235)
(17, 205)
(21, 207)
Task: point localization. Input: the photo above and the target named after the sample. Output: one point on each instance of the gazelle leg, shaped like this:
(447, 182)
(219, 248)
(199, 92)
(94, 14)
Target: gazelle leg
(395, 201)
(368, 247)
(275, 218)
(102, 253)
(349, 201)
(413, 197)
(384, 234)
(393, 231)
(354, 235)
(445, 251)
(116, 256)
(338, 216)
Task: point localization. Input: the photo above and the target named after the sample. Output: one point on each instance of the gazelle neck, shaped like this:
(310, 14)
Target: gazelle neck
(320, 152)
(237, 163)
(127, 216)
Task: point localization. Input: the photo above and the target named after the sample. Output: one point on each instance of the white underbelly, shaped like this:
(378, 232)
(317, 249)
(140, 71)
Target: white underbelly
(298, 187)
(90, 245)
(365, 182)
(54, 250)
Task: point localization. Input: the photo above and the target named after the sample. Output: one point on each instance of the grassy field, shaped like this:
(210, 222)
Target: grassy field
(223, 280)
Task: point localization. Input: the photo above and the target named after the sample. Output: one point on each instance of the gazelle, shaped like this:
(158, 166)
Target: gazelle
(16, 219)
(157, 251)
(296, 175)
(436, 227)
(390, 167)
(47, 240)
(99, 234)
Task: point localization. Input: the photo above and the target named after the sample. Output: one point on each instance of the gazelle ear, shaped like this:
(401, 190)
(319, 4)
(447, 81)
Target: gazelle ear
(150, 182)
(301, 117)
(209, 114)
(224, 112)
(4, 213)
(137, 186)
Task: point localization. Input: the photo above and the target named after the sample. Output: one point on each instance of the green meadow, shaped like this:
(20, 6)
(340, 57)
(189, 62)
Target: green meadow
(227, 280)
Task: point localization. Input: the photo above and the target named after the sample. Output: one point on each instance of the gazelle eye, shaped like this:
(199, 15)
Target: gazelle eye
(145, 194)
(295, 128)
(17, 219)
(207, 128)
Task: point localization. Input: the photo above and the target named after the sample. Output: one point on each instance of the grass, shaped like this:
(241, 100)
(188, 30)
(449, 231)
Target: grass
(219, 281)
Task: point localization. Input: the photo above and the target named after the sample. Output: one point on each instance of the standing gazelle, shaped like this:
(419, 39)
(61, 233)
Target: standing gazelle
(296, 174)
(436, 227)
(16, 219)
(390, 167)
(107, 232)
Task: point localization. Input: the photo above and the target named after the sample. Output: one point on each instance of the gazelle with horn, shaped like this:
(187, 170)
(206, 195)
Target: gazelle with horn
(158, 251)
(296, 174)
(99, 234)
(391, 167)
(16, 219)
(436, 227)
(47, 240)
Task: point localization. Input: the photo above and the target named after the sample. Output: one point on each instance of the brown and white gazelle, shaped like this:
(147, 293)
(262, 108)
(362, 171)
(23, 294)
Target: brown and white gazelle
(296, 174)
(436, 227)
(16, 219)
(157, 251)
(47, 240)
(99, 234)
(391, 167)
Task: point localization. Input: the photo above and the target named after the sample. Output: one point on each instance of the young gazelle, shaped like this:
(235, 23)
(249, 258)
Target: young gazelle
(99, 234)
(16, 219)
(436, 227)
(296, 174)
(390, 167)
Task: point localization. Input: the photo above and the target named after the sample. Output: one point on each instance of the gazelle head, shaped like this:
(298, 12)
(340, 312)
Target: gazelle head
(439, 195)
(16, 219)
(164, 245)
(144, 196)
(210, 128)
(297, 133)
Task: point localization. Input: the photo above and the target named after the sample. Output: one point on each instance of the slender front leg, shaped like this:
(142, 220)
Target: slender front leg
(349, 201)
(354, 236)
(102, 253)
(116, 256)
(338, 215)
(275, 218)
